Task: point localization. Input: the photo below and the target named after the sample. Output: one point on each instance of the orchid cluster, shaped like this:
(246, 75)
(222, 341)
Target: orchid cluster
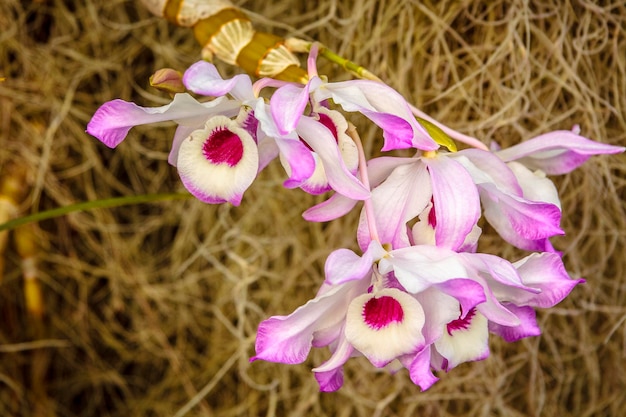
(420, 295)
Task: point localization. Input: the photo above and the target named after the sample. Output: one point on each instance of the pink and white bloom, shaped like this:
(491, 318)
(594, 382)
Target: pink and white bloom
(216, 157)
(446, 191)
(375, 100)
(314, 153)
(429, 307)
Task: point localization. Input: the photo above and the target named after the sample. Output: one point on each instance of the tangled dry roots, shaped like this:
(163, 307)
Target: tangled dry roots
(151, 310)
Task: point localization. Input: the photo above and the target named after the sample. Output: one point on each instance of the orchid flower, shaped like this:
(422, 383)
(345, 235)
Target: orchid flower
(314, 154)
(446, 191)
(427, 306)
(216, 157)
(375, 100)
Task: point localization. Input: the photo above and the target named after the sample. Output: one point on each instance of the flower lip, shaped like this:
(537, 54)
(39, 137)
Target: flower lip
(385, 324)
(218, 163)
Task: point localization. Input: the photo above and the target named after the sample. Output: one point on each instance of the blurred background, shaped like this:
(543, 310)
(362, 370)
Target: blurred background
(151, 310)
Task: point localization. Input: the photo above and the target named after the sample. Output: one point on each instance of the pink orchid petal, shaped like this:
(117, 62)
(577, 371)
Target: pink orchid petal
(385, 107)
(535, 185)
(344, 265)
(336, 206)
(287, 106)
(339, 357)
(112, 121)
(440, 308)
(485, 167)
(467, 292)
(268, 151)
(400, 198)
(323, 143)
(546, 272)
(419, 368)
(203, 78)
(300, 160)
(500, 275)
(419, 267)
(397, 132)
(317, 183)
(288, 339)
(557, 152)
(456, 201)
(379, 169)
(495, 311)
(329, 381)
(527, 326)
(518, 220)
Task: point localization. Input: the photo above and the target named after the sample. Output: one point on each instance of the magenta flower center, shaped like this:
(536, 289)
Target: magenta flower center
(223, 147)
(432, 217)
(381, 312)
(328, 122)
(461, 323)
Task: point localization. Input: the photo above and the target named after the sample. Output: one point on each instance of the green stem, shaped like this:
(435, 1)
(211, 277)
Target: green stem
(90, 205)
(354, 68)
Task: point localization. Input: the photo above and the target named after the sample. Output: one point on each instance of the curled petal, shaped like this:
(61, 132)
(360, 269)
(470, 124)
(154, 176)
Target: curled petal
(557, 152)
(467, 292)
(114, 119)
(527, 326)
(298, 161)
(535, 185)
(419, 368)
(182, 133)
(287, 106)
(329, 375)
(203, 78)
(344, 265)
(218, 163)
(268, 151)
(385, 107)
(520, 221)
(329, 381)
(485, 167)
(336, 206)
(500, 274)
(321, 140)
(544, 271)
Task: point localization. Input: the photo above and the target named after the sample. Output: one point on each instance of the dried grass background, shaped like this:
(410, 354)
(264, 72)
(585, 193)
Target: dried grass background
(151, 310)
